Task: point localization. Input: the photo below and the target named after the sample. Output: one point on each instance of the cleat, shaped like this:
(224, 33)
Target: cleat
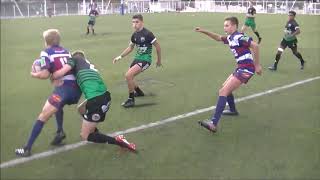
(136, 94)
(230, 113)
(124, 143)
(60, 136)
(128, 103)
(302, 65)
(208, 124)
(272, 68)
(23, 152)
(259, 41)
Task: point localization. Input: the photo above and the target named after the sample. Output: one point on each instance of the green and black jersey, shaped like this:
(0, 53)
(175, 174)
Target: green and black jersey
(143, 40)
(88, 78)
(251, 13)
(290, 28)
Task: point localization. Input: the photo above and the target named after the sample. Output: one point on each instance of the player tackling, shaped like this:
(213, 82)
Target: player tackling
(247, 64)
(97, 103)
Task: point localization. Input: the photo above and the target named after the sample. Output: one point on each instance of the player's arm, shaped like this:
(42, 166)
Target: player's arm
(44, 65)
(212, 35)
(255, 49)
(43, 74)
(158, 49)
(64, 70)
(296, 32)
(61, 72)
(127, 51)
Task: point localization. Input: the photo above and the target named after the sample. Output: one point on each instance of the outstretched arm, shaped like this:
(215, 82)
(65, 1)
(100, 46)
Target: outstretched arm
(158, 49)
(127, 51)
(212, 35)
(255, 49)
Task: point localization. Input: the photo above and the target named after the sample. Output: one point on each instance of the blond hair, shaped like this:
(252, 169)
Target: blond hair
(78, 53)
(51, 37)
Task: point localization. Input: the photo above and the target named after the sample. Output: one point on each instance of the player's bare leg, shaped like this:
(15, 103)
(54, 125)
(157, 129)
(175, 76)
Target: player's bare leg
(82, 107)
(229, 86)
(47, 111)
(132, 72)
(89, 133)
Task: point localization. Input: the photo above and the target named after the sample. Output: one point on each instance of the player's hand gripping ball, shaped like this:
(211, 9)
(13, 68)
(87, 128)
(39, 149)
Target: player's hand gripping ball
(36, 66)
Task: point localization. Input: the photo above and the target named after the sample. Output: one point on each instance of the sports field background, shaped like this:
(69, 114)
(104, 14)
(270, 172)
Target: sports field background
(275, 136)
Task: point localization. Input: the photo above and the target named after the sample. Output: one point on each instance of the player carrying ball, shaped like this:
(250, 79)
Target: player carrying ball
(97, 103)
(66, 90)
(143, 39)
(247, 65)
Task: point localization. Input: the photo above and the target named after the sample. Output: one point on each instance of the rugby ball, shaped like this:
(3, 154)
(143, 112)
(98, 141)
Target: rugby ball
(36, 66)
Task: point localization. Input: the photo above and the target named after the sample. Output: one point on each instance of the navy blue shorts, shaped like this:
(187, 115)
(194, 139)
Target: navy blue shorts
(68, 93)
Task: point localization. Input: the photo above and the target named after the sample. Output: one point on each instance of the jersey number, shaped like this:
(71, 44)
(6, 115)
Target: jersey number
(234, 52)
(63, 60)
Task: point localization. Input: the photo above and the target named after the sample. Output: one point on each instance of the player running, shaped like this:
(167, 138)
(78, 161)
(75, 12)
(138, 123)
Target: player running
(290, 40)
(250, 21)
(240, 46)
(65, 92)
(97, 103)
(93, 14)
(143, 39)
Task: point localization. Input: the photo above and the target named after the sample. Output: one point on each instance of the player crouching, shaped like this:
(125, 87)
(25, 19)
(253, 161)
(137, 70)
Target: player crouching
(97, 103)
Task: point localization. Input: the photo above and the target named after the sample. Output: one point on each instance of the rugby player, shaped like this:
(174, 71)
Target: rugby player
(247, 65)
(97, 103)
(250, 21)
(290, 40)
(143, 39)
(93, 14)
(66, 89)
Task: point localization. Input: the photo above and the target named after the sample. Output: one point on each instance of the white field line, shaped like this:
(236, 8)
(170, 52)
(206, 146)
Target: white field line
(17, 161)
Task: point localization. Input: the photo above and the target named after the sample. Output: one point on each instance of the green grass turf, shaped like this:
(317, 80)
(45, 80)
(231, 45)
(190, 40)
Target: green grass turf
(275, 136)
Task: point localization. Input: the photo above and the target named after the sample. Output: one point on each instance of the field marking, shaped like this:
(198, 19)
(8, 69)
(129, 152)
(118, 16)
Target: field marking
(17, 161)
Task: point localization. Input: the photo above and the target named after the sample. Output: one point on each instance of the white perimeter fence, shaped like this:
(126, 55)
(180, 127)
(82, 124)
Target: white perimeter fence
(22, 9)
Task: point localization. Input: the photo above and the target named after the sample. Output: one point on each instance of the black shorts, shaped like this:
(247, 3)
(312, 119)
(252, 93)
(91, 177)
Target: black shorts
(97, 107)
(91, 23)
(143, 64)
(290, 44)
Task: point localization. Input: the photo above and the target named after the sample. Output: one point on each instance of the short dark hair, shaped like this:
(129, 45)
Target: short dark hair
(138, 16)
(233, 20)
(292, 13)
(78, 54)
